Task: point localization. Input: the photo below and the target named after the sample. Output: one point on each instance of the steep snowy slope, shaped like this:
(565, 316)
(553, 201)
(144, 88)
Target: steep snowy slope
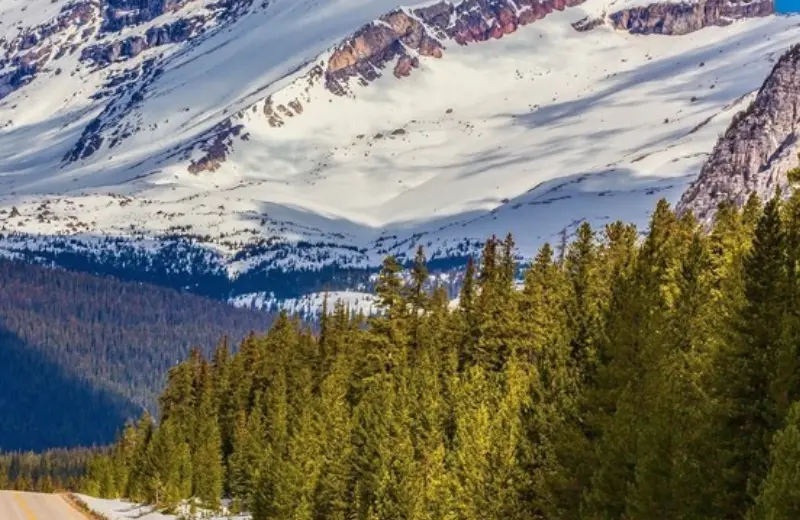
(202, 142)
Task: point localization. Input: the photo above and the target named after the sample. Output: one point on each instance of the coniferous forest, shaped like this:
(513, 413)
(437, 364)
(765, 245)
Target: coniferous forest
(632, 376)
(45, 472)
(79, 354)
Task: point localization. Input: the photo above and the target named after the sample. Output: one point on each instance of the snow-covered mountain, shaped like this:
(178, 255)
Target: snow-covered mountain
(285, 146)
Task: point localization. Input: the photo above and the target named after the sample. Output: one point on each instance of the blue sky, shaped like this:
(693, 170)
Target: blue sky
(787, 6)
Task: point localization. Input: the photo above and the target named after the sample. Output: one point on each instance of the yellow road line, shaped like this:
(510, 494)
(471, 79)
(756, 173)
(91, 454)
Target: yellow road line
(24, 506)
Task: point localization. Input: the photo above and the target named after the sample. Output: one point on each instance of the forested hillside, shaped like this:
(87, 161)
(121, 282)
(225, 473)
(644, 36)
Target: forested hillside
(81, 353)
(637, 379)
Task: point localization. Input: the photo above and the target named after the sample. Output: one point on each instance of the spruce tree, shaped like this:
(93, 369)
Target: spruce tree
(779, 498)
(331, 500)
(554, 453)
(635, 343)
(247, 457)
(674, 447)
(748, 365)
(136, 481)
(269, 502)
(467, 318)
(168, 467)
(206, 443)
(499, 322)
(585, 305)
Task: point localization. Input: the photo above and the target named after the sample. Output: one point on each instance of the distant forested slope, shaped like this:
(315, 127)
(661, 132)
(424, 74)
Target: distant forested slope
(79, 353)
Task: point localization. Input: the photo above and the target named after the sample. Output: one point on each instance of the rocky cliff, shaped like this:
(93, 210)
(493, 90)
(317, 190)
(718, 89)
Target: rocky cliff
(124, 13)
(33, 49)
(757, 149)
(395, 41)
(28, 52)
(404, 35)
(119, 50)
(684, 18)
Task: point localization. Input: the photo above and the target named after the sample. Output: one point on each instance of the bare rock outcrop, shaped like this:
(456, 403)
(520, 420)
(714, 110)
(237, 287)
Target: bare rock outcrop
(684, 18)
(395, 41)
(178, 31)
(402, 36)
(29, 52)
(123, 13)
(758, 148)
(216, 147)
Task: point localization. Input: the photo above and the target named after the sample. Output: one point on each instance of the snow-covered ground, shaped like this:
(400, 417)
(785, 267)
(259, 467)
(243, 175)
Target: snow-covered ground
(122, 510)
(309, 305)
(529, 134)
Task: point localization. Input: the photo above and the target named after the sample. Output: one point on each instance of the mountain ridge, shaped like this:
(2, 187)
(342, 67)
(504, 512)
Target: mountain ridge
(236, 189)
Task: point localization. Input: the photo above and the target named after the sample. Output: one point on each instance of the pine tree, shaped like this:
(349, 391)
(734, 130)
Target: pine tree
(335, 434)
(635, 343)
(748, 364)
(224, 397)
(247, 457)
(302, 462)
(385, 466)
(487, 480)
(168, 467)
(553, 452)
(390, 290)
(674, 446)
(178, 400)
(429, 415)
(136, 477)
(417, 296)
(100, 477)
(786, 384)
(499, 327)
(586, 299)
(469, 332)
(389, 331)
(780, 494)
(268, 501)
(206, 443)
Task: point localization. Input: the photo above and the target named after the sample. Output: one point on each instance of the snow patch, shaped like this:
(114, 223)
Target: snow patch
(309, 305)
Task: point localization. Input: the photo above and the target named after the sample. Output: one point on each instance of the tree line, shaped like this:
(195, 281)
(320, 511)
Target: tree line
(46, 472)
(631, 376)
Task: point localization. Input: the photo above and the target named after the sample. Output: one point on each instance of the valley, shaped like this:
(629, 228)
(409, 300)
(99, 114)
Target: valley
(355, 260)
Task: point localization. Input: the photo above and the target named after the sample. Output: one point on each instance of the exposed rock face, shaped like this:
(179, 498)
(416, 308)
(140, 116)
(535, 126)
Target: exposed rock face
(677, 19)
(106, 127)
(587, 24)
(27, 54)
(123, 13)
(404, 35)
(399, 37)
(120, 50)
(22, 57)
(758, 147)
(216, 147)
(405, 65)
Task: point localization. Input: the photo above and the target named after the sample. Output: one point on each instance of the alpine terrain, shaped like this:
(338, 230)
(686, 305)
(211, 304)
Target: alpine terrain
(264, 150)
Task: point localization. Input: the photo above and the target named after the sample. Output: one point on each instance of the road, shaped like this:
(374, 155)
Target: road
(35, 506)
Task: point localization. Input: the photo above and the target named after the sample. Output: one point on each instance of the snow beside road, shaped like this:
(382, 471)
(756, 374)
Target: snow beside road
(122, 510)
